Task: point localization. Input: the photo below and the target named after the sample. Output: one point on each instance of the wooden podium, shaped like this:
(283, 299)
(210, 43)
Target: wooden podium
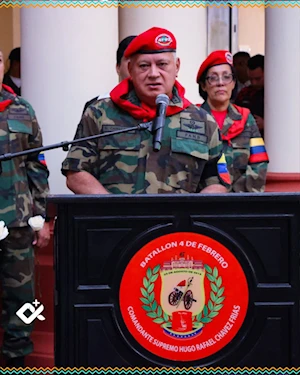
(177, 280)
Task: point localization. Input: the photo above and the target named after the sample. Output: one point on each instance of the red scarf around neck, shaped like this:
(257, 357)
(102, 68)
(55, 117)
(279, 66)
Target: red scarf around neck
(237, 126)
(144, 112)
(5, 103)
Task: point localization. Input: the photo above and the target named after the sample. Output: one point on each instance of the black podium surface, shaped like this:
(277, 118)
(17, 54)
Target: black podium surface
(177, 280)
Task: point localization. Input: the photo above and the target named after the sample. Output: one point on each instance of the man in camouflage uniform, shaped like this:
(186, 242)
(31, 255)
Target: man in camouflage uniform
(24, 186)
(126, 163)
(252, 97)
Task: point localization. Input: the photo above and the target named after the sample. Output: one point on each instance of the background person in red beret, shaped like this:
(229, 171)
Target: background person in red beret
(126, 163)
(244, 149)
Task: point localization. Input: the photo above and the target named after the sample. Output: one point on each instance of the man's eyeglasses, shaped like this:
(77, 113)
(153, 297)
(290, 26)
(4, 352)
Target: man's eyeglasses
(215, 79)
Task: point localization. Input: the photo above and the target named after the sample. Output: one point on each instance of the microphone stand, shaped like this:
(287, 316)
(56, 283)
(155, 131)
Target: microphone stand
(65, 144)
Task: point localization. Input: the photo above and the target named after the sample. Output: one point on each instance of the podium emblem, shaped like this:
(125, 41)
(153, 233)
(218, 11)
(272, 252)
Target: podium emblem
(188, 296)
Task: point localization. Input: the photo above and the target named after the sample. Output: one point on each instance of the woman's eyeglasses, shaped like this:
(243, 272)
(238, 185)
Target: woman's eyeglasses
(215, 79)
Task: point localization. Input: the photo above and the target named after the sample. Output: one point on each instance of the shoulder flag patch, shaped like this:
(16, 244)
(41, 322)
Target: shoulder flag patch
(223, 171)
(41, 158)
(258, 153)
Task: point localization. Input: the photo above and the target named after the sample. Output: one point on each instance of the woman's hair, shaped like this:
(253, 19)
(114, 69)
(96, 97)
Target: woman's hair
(202, 80)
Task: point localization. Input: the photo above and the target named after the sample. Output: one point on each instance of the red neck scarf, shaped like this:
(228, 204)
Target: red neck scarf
(238, 125)
(5, 103)
(119, 95)
(238, 120)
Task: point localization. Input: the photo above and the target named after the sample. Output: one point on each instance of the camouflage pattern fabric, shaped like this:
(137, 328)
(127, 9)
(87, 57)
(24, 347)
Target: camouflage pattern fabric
(245, 154)
(23, 189)
(23, 180)
(126, 163)
(17, 276)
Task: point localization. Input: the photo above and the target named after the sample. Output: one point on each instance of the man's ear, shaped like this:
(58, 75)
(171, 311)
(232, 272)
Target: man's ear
(177, 63)
(118, 69)
(129, 67)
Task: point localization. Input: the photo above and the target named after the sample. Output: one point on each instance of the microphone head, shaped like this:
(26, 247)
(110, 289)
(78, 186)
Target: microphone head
(162, 99)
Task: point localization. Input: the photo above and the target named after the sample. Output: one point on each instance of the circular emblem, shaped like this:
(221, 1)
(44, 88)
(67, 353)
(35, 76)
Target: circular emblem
(229, 58)
(163, 40)
(183, 296)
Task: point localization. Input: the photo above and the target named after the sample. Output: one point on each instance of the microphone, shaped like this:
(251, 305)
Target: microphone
(162, 102)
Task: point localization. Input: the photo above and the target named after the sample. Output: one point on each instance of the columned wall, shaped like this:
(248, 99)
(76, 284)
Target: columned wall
(68, 57)
(282, 98)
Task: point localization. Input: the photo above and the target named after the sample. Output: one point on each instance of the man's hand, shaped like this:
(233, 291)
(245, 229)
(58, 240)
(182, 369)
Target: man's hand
(259, 121)
(42, 237)
(214, 189)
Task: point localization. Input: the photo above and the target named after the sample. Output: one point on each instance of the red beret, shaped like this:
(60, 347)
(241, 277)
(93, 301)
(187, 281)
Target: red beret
(154, 40)
(215, 58)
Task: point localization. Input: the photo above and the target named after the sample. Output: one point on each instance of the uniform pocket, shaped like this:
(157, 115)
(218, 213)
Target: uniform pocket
(19, 132)
(185, 164)
(16, 126)
(240, 154)
(119, 155)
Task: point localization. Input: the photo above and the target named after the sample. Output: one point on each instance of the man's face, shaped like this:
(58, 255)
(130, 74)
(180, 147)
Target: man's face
(240, 65)
(122, 69)
(1, 69)
(256, 77)
(153, 74)
(17, 68)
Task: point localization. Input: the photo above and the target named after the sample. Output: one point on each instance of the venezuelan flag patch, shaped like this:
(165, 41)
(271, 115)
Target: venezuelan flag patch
(223, 171)
(258, 153)
(42, 158)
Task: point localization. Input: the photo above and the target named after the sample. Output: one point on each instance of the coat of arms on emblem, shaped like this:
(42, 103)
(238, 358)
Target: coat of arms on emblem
(182, 310)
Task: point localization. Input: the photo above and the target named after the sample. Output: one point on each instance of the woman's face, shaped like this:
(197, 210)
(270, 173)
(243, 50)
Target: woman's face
(1, 69)
(219, 83)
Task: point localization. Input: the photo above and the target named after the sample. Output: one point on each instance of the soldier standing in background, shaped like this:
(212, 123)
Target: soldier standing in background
(23, 186)
(244, 148)
(252, 96)
(13, 76)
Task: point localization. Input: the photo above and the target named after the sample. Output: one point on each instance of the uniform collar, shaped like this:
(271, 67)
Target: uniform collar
(232, 124)
(7, 97)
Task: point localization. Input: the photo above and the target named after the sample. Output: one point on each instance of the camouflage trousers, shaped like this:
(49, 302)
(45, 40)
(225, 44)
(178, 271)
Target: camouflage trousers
(17, 278)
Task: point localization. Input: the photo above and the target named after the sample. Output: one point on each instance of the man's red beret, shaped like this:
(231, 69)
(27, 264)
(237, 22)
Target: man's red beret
(154, 40)
(215, 58)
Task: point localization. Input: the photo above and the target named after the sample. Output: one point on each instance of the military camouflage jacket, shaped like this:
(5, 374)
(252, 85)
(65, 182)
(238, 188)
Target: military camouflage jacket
(245, 154)
(23, 180)
(126, 163)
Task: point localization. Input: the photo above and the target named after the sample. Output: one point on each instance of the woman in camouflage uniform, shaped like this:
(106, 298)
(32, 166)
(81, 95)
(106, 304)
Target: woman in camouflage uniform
(243, 146)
